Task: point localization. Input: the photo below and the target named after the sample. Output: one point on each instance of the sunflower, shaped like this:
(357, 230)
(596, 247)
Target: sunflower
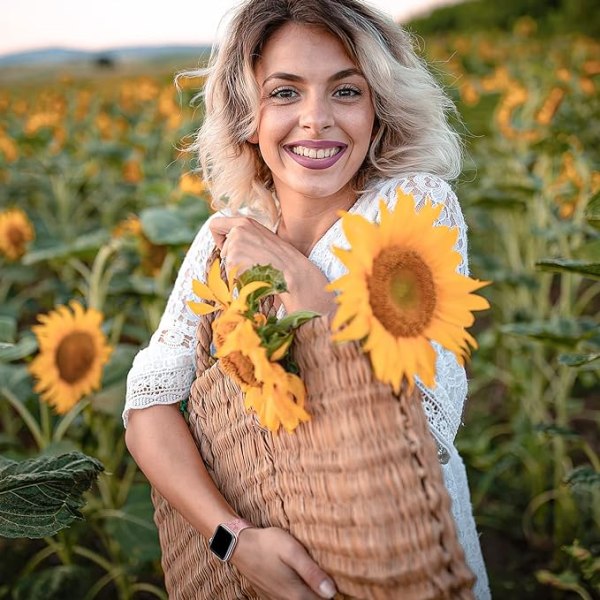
(221, 293)
(73, 350)
(276, 396)
(152, 255)
(402, 291)
(16, 231)
(279, 400)
(191, 184)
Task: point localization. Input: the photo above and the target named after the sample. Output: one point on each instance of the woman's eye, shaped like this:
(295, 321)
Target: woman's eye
(283, 93)
(347, 92)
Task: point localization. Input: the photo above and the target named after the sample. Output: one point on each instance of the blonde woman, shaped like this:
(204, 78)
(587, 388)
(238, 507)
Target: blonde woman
(312, 106)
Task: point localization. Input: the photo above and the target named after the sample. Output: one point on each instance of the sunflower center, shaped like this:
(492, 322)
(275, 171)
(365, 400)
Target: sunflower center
(74, 356)
(401, 291)
(236, 365)
(16, 237)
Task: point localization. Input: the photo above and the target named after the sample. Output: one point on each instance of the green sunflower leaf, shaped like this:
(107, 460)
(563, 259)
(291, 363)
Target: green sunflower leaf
(592, 211)
(586, 268)
(578, 360)
(265, 273)
(8, 329)
(43, 495)
(268, 274)
(295, 319)
(561, 332)
(277, 333)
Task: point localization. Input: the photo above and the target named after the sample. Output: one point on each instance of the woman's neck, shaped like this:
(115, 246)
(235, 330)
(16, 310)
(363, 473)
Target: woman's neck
(304, 221)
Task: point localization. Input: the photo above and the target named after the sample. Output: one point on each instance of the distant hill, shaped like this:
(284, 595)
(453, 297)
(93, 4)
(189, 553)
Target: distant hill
(60, 56)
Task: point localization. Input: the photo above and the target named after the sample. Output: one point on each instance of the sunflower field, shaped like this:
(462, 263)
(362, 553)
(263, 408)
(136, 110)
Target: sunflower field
(98, 203)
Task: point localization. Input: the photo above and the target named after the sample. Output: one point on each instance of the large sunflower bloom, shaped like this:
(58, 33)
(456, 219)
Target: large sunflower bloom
(402, 291)
(16, 231)
(73, 350)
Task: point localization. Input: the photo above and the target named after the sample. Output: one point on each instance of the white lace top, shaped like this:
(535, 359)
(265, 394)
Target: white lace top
(163, 372)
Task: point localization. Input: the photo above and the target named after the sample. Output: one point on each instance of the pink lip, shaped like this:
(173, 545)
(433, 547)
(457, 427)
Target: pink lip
(316, 163)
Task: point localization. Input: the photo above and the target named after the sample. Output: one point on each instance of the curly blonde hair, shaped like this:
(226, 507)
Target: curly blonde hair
(411, 108)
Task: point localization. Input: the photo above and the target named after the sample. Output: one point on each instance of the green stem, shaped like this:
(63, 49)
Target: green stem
(101, 583)
(152, 589)
(104, 489)
(96, 285)
(80, 267)
(585, 298)
(26, 416)
(60, 550)
(46, 422)
(126, 483)
(94, 557)
(592, 456)
(66, 421)
(36, 559)
(117, 327)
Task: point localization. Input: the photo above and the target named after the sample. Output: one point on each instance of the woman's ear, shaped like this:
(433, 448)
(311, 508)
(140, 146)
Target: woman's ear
(253, 139)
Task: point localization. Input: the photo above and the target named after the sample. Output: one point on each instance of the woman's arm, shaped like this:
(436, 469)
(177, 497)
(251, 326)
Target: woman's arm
(275, 563)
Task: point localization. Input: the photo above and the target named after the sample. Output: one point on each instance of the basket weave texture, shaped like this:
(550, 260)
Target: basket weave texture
(359, 485)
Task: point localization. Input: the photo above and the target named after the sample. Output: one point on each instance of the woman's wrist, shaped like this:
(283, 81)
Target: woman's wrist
(306, 289)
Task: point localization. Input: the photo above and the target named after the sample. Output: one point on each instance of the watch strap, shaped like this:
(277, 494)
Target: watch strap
(237, 525)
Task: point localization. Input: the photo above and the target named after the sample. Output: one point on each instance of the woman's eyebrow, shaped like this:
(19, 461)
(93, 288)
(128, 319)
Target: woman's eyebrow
(335, 77)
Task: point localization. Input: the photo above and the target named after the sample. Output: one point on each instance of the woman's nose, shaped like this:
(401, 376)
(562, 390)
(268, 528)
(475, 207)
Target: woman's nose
(316, 114)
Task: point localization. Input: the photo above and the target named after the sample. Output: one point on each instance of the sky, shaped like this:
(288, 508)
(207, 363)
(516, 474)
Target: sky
(100, 24)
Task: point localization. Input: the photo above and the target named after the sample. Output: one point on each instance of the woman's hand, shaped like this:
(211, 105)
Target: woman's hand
(278, 566)
(244, 242)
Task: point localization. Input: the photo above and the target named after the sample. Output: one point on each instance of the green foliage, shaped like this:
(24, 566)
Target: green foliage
(55, 583)
(266, 273)
(41, 496)
(551, 17)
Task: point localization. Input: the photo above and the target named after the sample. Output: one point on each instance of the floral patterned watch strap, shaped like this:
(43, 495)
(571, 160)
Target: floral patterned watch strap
(237, 525)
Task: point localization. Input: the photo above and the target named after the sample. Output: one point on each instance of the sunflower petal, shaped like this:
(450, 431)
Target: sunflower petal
(200, 308)
(357, 329)
(217, 285)
(203, 291)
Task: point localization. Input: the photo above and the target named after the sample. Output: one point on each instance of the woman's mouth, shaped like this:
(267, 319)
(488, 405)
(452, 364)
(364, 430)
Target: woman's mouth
(315, 154)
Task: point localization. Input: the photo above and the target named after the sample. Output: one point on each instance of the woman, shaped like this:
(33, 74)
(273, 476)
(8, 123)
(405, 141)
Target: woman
(312, 106)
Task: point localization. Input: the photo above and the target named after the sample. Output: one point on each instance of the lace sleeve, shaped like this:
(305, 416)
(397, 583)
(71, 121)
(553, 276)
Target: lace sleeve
(443, 403)
(163, 372)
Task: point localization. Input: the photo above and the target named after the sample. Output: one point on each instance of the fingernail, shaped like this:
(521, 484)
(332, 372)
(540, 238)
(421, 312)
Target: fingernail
(327, 589)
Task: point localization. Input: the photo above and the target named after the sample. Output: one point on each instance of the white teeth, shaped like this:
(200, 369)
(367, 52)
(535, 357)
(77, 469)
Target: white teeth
(312, 153)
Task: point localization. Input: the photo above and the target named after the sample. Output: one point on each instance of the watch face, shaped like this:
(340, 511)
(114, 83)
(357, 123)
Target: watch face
(222, 543)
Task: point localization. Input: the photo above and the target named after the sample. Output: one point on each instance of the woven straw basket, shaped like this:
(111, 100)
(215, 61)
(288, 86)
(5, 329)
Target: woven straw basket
(359, 485)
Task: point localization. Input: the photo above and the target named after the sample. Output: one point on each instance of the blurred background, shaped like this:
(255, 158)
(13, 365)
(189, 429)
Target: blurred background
(99, 201)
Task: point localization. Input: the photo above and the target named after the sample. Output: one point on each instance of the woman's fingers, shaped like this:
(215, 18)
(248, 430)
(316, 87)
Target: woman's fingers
(278, 565)
(309, 571)
(221, 226)
(245, 242)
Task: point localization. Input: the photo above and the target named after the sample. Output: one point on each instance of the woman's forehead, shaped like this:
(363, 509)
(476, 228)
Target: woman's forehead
(297, 48)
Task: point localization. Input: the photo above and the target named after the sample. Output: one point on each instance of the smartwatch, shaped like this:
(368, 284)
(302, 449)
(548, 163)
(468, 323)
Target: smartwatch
(224, 539)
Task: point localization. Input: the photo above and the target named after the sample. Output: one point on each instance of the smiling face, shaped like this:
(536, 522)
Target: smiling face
(316, 115)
